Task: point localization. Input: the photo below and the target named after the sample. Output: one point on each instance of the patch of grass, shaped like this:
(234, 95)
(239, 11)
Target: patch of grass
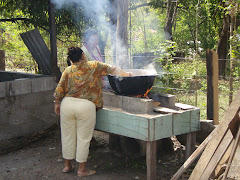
(187, 98)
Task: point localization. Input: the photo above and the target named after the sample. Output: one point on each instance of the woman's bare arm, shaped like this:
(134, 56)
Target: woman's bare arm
(119, 72)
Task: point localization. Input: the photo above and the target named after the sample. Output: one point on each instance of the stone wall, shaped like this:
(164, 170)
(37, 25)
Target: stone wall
(26, 106)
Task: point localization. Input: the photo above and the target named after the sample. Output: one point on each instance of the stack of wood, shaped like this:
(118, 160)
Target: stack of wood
(221, 149)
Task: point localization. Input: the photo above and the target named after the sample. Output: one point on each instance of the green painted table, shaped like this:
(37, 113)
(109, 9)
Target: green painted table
(150, 128)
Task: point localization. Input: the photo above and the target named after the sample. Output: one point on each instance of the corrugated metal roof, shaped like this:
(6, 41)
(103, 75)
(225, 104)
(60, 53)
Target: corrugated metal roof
(39, 50)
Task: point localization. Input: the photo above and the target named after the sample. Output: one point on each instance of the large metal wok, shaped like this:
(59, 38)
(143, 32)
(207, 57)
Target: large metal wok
(138, 84)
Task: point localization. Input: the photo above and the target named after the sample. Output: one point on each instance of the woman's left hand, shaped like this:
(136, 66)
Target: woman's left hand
(57, 108)
(130, 74)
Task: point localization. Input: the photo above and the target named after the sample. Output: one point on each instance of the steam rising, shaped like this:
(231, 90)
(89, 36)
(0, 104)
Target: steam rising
(92, 8)
(97, 10)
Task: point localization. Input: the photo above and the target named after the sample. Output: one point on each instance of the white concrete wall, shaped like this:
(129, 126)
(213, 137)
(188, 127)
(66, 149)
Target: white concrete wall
(26, 106)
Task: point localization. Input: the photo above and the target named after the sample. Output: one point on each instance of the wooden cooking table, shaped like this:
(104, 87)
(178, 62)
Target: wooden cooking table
(150, 128)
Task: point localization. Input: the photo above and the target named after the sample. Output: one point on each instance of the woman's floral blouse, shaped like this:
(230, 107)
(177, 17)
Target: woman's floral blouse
(83, 80)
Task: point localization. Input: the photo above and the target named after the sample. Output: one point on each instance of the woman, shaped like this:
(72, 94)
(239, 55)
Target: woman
(77, 96)
(90, 46)
(92, 52)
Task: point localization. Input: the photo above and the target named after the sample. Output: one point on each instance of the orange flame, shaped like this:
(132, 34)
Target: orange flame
(146, 94)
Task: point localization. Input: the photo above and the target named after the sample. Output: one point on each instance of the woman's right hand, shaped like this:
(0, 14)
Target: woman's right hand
(130, 74)
(119, 72)
(57, 108)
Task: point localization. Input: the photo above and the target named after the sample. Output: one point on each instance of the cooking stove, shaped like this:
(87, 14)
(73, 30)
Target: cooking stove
(141, 119)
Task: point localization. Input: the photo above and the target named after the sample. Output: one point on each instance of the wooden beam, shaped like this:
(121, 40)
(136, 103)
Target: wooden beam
(223, 163)
(221, 131)
(151, 160)
(192, 158)
(235, 165)
(235, 145)
(234, 126)
(217, 156)
(212, 86)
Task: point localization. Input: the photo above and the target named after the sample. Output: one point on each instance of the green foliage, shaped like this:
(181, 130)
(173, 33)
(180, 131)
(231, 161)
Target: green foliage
(146, 30)
(17, 54)
(70, 24)
(180, 77)
(235, 53)
(36, 14)
(157, 3)
(185, 75)
(185, 34)
(165, 59)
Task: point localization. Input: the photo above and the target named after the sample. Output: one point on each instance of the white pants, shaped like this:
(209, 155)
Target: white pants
(78, 118)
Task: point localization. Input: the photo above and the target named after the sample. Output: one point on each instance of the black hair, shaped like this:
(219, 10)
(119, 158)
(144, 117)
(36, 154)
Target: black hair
(88, 34)
(74, 54)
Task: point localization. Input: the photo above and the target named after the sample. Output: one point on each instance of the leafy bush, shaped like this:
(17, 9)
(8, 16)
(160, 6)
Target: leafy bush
(182, 73)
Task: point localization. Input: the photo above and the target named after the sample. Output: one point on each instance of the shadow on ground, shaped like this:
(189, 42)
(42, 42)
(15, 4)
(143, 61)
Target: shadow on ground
(42, 160)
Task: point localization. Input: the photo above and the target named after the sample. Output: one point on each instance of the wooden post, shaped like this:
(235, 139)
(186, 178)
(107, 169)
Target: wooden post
(190, 144)
(53, 41)
(212, 86)
(114, 142)
(151, 160)
(2, 60)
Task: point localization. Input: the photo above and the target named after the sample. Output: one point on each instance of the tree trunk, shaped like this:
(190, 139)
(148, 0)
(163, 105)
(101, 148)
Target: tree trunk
(144, 35)
(2, 52)
(2, 60)
(102, 45)
(53, 41)
(113, 20)
(122, 39)
(119, 20)
(222, 49)
(171, 12)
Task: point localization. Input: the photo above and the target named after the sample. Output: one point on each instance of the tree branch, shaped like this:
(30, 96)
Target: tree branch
(214, 14)
(47, 30)
(14, 19)
(141, 5)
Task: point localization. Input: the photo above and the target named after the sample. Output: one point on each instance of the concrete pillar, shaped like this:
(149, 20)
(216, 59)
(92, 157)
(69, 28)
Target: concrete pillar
(2, 60)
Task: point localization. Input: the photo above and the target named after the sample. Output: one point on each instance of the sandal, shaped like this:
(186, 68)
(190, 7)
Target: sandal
(90, 172)
(66, 171)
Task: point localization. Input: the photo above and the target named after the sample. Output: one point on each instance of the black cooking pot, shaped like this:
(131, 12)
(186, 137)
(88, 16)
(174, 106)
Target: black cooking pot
(138, 84)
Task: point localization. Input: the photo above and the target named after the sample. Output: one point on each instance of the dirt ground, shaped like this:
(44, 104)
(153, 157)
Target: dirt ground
(42, 160)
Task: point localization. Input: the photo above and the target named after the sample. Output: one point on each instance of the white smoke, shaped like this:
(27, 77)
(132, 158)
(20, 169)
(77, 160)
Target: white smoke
(92, 8)
(151, 68)
(97, 9)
